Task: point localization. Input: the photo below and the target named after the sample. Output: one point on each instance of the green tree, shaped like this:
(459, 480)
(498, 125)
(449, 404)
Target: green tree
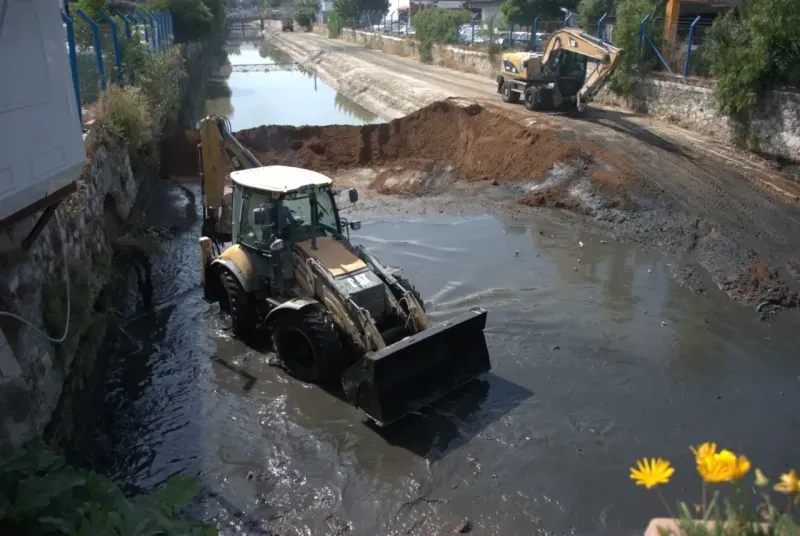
(626, 36)
(524, 11)
(306, 13)
(436, 25)
(590, 11)
(194, 20)
(751, 50)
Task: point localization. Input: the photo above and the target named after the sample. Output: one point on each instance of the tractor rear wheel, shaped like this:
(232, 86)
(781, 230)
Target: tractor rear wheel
(238, 304)
(307, 343)
(508, 95)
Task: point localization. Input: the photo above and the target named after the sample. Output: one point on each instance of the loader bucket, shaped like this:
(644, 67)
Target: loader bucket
(419, 369)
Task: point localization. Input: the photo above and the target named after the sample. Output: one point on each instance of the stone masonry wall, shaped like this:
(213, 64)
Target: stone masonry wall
(32, 369)
(774, 131)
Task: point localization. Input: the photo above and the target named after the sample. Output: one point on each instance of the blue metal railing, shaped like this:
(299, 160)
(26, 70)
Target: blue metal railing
(157, 27)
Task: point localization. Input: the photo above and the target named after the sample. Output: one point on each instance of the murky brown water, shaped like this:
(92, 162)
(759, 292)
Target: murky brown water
(598, 358)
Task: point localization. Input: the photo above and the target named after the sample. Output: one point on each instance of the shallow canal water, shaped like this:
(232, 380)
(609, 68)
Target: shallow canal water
(598, 358)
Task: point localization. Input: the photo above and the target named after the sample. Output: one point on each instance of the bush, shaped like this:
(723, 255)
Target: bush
(159, 75)
(194, 20)
(436, 25)
(123, 119)
(40, 495)
(626, 36)
(754, 50)
(334, 25)
(306, 13)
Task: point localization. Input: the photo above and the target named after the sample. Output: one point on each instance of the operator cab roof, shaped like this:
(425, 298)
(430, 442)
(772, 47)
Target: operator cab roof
(278, 179)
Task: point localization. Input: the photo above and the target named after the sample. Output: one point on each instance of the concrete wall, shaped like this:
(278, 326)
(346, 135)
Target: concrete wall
(774, 131)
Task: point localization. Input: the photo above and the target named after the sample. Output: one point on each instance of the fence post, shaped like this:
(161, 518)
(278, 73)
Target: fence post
(156, 33)
(533, 33)
(115, 45)
(128, 33)
(689, 46)
(170, 28)
(98, 49)
(162, 18)
(600, 27)
(73, 63)
(141, 18)
(641, 34)
(511, 35)
(472, 33)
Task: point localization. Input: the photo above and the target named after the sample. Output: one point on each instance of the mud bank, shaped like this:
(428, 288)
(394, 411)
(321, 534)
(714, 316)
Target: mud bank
(477, 152)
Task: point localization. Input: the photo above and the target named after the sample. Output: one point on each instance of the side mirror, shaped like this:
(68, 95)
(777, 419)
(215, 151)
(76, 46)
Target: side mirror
(355, 225)
(259, 216)
(353, 193)
(277, 245)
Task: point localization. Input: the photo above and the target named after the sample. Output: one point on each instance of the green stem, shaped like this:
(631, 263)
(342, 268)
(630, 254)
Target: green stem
(664, 501)
(703, 498)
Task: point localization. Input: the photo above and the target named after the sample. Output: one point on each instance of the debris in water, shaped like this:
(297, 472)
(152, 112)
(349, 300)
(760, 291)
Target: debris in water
(649, 271)
(556, 347)
(663, 322)
(464, 527)
(604, 241)
(580, 243)
(516, 254)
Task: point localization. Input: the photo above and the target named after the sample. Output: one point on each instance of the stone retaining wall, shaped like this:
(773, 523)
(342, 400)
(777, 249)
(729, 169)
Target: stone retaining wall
(689, 102)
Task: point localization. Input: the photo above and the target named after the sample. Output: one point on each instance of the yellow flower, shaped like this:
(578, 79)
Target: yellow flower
(706, 449)
(723, 466)
(789, 484)
(652, 472)
(761, 480)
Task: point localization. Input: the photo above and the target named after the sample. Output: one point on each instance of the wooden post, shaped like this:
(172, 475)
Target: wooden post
(206, 255)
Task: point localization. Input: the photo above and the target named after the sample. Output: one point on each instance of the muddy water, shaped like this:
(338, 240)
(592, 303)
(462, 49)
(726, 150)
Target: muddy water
(598, 358)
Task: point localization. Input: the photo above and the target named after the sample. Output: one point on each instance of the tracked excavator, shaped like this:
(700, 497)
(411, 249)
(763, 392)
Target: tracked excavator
(334, 312)
(559, 78)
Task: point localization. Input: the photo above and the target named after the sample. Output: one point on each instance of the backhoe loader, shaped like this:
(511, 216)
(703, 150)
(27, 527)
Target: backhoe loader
(559, 78)
(335, 313)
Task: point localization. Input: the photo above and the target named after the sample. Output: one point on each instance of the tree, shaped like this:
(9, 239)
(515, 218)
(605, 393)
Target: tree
(194, 20)
(524, 11)
(437, 25)
(590, 11)
(626, 36)
(306, 13)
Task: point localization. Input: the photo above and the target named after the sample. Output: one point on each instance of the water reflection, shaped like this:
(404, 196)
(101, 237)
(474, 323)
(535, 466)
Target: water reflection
(281, 93)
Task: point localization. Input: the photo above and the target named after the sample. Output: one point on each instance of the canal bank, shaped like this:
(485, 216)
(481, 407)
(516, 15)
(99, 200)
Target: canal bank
(599, 358)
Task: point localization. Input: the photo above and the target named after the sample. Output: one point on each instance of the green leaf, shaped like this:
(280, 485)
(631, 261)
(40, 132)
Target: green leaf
(35, 493)
(177, 492)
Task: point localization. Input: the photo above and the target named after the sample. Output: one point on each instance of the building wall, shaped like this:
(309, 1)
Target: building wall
(42, 149)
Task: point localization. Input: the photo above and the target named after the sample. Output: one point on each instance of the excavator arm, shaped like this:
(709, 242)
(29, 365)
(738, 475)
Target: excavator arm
(605, 55)
(220, 152)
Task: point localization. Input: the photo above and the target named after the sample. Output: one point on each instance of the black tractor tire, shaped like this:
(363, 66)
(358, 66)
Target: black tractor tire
(408, 286)
(531, 98)
(238, 305)
(508, 95)
(308, 344)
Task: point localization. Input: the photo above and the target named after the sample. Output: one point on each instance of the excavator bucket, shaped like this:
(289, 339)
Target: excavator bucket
(419, 369)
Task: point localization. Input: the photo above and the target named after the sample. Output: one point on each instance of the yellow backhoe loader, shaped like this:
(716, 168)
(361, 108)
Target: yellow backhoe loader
(334, 312)
(560, 77)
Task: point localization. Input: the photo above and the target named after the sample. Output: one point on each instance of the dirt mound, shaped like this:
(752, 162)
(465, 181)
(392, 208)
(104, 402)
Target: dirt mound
(472, 142)
(760, 284)
(478, 143)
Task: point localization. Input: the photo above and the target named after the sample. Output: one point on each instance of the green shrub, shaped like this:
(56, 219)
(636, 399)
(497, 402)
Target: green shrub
(42, 496)
(751, 51)
(436, 25)
(334, 25)
(626, 36)
(123, 119)
(159, 75)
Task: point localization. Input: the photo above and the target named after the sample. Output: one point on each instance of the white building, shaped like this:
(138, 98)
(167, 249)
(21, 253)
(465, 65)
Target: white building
(42, 152)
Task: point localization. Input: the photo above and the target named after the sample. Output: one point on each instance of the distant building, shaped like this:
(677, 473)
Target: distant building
(681, 13)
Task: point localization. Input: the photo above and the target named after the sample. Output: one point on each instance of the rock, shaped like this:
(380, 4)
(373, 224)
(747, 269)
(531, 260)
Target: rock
(495, 182)
(464, 527)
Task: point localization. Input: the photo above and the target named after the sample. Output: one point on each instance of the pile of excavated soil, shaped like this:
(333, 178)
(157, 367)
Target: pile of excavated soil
(476, 143)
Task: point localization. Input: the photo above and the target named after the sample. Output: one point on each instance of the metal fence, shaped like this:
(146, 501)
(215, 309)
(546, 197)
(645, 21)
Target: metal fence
(96, 48)
(675, 48)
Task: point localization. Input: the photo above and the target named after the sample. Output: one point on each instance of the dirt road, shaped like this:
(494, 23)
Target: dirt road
(708, 205)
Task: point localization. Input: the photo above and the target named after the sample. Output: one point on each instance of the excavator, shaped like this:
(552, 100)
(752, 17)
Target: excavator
(333, 311)
(559, 78)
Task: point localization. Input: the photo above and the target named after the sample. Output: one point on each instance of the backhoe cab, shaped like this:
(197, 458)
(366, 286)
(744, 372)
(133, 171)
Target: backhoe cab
(568, 75)
(334, 312)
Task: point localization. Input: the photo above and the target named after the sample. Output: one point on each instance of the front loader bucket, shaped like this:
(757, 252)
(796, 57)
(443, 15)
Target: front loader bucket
(419, 369)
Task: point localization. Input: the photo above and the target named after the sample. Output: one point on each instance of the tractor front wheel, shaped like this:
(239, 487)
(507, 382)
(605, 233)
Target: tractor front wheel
(238, 305)
(532, 98)
(307, 343)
